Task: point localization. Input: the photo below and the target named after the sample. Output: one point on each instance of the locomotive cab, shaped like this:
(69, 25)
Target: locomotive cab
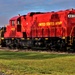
(16, 22)
(13, 31)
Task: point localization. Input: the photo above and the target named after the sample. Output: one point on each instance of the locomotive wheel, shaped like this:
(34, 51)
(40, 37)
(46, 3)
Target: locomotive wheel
(3, 44)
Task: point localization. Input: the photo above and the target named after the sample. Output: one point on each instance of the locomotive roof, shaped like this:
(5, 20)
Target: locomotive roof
(15, 18)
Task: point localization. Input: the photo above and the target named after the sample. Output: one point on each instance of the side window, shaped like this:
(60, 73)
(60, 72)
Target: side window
(18, 22)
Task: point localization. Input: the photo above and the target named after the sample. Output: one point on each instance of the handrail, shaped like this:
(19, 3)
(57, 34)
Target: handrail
(72, 30)
(71, 38)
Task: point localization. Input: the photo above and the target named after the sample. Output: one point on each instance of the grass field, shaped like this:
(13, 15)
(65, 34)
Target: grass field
(36, 63)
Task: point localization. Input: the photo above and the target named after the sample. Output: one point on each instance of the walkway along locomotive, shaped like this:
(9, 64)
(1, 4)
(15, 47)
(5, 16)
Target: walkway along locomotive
(44, 30)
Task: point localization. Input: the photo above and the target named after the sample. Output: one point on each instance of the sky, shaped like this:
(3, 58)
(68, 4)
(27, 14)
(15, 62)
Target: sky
(11, 8)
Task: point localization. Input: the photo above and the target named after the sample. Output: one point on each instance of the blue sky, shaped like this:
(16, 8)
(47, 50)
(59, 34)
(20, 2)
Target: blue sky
(10, 8)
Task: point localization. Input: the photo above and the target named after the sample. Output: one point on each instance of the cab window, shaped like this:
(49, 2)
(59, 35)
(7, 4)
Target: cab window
(13, 23)
(18, 22)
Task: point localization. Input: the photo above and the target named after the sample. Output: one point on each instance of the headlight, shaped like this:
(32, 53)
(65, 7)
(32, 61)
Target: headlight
(2, 38)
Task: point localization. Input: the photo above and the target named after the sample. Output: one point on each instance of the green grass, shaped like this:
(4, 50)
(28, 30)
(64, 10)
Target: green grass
(36, 63)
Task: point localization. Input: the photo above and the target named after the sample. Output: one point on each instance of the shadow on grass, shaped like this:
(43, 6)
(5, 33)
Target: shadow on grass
(29, 55)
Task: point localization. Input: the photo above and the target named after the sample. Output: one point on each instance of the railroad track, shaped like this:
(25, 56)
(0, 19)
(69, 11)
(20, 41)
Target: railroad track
(29, 50)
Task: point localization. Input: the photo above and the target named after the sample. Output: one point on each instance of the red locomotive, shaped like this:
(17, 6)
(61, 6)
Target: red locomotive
(50, 30)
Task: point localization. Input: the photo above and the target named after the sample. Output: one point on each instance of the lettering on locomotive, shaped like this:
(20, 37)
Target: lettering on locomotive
(49, 23)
